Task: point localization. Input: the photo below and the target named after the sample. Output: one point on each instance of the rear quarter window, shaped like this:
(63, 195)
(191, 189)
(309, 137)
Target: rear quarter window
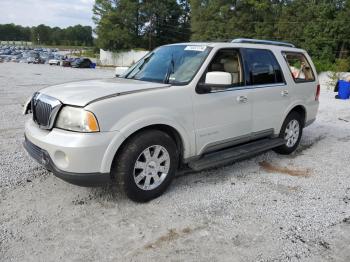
(299, 67)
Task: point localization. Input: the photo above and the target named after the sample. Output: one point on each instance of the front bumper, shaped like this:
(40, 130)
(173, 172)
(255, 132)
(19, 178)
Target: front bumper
(80, 179)
(75, 157)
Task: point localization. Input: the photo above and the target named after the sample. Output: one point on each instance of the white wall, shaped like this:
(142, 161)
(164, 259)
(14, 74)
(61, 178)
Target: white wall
(24, 43)
(121, 59)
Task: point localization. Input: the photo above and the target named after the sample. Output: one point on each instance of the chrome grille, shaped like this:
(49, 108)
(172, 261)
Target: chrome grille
(45, 109)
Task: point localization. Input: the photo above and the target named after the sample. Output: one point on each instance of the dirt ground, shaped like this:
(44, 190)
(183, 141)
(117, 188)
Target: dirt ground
(267, 208)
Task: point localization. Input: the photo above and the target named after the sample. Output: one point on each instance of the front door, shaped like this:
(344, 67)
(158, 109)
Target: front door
(224, 117)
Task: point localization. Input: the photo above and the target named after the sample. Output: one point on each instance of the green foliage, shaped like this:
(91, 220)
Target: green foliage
(127, 24)
(320, 27)
(323, 65)
(44, 35)
(12, 32)
(342, 65)
(224, 19)
(73, 35)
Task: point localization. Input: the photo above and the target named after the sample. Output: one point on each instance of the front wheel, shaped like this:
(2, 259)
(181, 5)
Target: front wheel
(147, 165)
(291, 132)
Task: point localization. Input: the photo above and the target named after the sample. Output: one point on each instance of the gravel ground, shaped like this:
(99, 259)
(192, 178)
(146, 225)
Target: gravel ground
(268, 208)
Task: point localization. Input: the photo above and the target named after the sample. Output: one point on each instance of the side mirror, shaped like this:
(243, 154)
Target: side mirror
(215, 81)
(218, 78)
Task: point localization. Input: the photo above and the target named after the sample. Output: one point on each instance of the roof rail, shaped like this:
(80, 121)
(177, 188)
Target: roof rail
(263, 42)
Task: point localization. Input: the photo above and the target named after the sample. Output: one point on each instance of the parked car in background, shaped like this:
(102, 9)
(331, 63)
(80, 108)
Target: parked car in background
(82, 63)
(56, 60)
(46, 56)
(68, 62)
(39, 60)
(24, 58)
(7, 58)
(27, 54)
(32, 56)
(17, 58)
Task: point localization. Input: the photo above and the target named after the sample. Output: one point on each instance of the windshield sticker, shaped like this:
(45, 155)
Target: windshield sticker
(198, 48)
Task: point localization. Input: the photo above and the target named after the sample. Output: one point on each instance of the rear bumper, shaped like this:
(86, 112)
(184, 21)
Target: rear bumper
(80, 179)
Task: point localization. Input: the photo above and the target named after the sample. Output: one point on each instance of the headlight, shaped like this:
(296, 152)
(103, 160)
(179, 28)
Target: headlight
(77, 119)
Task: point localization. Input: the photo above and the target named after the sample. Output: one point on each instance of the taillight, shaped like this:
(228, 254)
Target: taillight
(318, 90)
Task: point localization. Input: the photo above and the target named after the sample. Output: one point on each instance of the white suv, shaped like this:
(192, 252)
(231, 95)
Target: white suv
(190, 105)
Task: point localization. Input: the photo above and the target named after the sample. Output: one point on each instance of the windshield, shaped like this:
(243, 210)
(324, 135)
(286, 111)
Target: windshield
(176, 64)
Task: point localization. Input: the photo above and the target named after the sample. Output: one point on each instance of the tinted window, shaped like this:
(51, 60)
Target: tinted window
(261, 67)
(299, 67)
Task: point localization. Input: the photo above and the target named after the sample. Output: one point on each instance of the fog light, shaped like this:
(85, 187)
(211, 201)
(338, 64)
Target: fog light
(61, 159)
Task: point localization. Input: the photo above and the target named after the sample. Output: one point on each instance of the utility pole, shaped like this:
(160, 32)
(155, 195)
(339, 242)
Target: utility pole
(150, 33)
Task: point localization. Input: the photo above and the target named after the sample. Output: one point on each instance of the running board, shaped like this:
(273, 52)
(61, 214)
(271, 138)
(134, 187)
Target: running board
(236, 153)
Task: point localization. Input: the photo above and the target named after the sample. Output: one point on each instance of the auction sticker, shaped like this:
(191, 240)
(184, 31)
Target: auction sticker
(198, 48)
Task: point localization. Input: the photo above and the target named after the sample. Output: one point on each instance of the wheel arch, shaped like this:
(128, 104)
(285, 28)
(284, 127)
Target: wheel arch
(297, 107)
(116, 147)
(301, 110)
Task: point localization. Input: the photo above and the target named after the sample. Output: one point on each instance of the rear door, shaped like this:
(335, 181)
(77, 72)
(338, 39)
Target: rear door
(271, 94)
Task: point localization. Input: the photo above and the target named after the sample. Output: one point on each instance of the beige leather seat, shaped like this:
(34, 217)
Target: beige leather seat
(232, 66)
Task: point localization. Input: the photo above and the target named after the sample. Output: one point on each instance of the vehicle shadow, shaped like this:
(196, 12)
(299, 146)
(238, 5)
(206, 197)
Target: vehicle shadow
(230, 173)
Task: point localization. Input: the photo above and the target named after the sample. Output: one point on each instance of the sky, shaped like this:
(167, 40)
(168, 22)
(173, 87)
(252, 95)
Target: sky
(61, 13)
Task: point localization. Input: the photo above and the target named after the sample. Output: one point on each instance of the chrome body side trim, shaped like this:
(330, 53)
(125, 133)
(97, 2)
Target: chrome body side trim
(237, 140)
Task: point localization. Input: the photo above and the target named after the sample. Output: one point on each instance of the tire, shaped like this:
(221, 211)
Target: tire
(141, 174)
(294, 123)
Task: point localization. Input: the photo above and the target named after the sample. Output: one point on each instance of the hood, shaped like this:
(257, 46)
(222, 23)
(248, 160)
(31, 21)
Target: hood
(84, 92)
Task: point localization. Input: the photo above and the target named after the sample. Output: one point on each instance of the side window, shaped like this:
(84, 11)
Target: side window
(299, 67)
(228, 60)
(261, 67)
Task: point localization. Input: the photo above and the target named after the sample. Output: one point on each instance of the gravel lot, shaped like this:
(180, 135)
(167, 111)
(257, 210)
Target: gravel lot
(268, 208)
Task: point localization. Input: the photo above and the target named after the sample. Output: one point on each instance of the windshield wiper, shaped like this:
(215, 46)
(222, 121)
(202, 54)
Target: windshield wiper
(138, 68)
(170, 70)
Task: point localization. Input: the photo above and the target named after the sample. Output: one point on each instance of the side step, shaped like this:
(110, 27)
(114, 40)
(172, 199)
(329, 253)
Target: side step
(236, 153)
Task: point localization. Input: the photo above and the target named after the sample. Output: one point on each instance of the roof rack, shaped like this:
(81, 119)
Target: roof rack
(263, 42)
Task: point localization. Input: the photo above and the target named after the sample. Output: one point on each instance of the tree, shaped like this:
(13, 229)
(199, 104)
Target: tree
(42, 34)
(12, 32)
(165, 22)
(125, 24)
(117, 23)
(320, 27)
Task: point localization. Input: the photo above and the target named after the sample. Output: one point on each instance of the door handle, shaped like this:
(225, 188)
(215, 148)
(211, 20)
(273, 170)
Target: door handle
(284, 93)
(242, 99)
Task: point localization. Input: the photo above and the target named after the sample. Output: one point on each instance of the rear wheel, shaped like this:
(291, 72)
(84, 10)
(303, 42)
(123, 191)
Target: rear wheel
(291, 132)
(146, 165)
